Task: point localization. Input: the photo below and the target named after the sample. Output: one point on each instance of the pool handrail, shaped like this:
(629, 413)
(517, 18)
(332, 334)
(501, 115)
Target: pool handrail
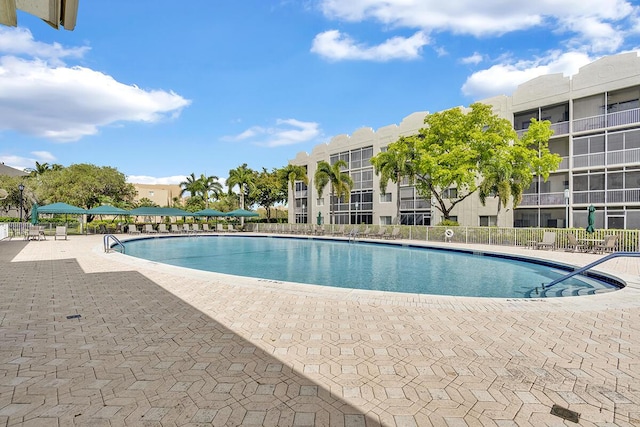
(591, 265)
(117, 241)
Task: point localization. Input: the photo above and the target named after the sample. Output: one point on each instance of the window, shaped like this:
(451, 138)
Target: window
(320, 201)
(385, 198)
(385, 220)
(450, 193)
(488, 220)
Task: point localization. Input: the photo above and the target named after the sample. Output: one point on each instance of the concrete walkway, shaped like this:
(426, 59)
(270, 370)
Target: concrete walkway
(95, 339)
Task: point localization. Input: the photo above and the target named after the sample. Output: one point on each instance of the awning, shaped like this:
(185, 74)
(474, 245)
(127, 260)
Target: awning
(107, 210)
(61, 208)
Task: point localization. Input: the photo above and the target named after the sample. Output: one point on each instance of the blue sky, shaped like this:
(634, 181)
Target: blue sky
(160, 90)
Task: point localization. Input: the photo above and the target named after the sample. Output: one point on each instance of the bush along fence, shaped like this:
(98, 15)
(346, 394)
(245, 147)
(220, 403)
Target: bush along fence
(628, 240)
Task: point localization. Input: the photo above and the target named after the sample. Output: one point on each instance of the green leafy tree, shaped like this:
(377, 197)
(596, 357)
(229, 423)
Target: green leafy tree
(340, 182)
(269, 190)
(456, 148)
(511, 171)
(84, 185)
(394, 165)
(192, 185)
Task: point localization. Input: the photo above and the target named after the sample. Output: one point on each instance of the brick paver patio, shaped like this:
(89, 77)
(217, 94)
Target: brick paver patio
(95, 339)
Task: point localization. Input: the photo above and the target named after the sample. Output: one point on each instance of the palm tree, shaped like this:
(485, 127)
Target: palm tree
(341, 182)
(394, 165)
(192, 185)
(293, 173)
(211, 187)
(243, 177)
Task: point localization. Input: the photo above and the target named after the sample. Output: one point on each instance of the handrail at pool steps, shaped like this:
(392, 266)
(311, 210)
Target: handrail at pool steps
(589, 266)
(116, 241)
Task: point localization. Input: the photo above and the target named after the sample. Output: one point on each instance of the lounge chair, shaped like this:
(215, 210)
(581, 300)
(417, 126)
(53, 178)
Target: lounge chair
(319, 230)
(196, 228)
(548, 241)
(231, 229)
(608, 245)
(162, 228)
(393, 235)
(35, 233)
(205, 228)
(148, 228)
(185, 228)
(220, 228)
(574, 245)
(133, 229)
(61, 232)
(380, 233)
(366, 232)
(175, 228)
(339, 231)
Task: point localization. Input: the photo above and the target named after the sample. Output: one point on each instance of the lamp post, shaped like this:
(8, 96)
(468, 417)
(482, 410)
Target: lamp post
(567, 194)
(21, 188)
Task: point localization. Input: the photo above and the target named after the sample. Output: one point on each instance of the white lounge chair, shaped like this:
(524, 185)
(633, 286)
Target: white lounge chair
(162, 228)
(185, 228)
(175, 228)
(393, 235)
(205, 228)
(148, 228)
(220, 228)
(231, 229)
(195, 228)
(133, 229)
(61, 232)
(548, 241)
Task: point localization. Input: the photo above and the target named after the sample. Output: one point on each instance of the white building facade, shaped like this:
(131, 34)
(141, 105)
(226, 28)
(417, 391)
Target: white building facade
(596, 118)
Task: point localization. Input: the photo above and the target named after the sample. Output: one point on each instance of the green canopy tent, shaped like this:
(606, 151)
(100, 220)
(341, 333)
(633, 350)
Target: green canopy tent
(241, 213)
(210, 213)
(61, 208)
(108, 210)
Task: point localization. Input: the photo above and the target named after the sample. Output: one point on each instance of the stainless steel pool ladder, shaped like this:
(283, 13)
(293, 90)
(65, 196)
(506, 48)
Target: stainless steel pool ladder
(589, 266)
(117, 242)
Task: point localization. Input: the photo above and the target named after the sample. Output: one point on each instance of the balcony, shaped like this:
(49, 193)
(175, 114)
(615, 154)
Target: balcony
(561, 128)
(619, 118)
(543, 199)
(588, 197)
(588, 160)
(623, 196)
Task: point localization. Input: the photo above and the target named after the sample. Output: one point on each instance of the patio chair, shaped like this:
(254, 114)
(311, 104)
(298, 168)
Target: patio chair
(185, 228)
(366, 232)
(205, 228)
(574, 245)
(35, 233)
(231, 229)
(61, 232)
(220, 228)
(175, 228)
(393, 235)
(548, 241)
(339, 231)
(380, 234)
(133, 229)
(162, 228)
(148, 228)
(608, 245)
(196, 228)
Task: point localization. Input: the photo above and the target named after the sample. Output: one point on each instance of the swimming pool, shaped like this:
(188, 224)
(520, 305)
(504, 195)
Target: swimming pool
(373, 266)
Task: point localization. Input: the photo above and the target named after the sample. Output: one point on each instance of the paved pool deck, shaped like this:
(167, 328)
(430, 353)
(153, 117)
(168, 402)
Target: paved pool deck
(95, 339)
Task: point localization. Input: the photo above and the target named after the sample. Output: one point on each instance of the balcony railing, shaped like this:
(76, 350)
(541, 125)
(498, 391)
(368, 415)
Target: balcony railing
(618, 118)
(543, 199)
(587, 197)
(588, 160)
(623, 157)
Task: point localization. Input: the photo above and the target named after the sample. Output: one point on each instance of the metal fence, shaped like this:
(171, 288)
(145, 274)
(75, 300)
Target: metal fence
(628, 240)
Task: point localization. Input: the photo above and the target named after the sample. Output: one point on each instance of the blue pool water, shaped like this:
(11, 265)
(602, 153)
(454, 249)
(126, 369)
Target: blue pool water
(370, 266)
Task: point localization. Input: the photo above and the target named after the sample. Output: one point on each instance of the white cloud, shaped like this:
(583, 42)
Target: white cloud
(285, 132)
(475, 59)
(504, 78)
(44, 156)
(64, 103)
(19, 41)
(597, 24)
(334, 45)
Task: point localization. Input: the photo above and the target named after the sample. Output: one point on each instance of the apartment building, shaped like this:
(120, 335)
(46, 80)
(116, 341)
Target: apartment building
(596, 118)
(160, 194)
